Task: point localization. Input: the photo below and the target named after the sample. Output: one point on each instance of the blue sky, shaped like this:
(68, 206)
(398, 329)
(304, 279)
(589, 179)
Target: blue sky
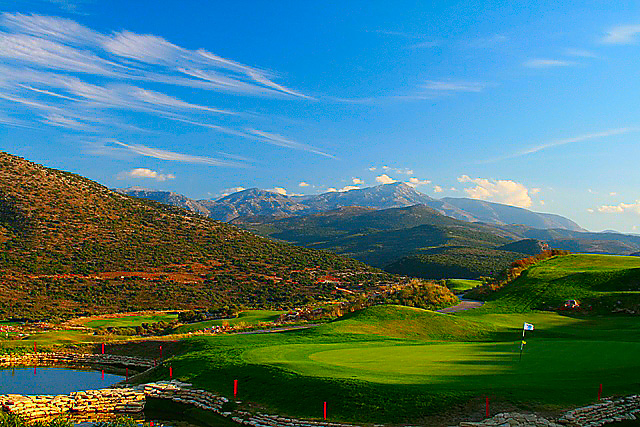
(534, 105)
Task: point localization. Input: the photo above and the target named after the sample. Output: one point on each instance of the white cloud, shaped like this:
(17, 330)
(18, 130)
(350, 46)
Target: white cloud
(331, 190)
(357, 181)
(385, 179)
(372, 168)
(437, 189)
(414, 182)
(621, 208)
(623, 34)
(146, 174)
(613, 193)
(499, 191)
(547, 63)
(534, 191)
(452, 86)
(303, 184)
(590, 210)
(278, 190)
(541, 202)
(348, 188)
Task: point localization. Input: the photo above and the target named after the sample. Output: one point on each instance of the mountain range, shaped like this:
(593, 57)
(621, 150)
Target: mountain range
(397, 228)
(256, 202)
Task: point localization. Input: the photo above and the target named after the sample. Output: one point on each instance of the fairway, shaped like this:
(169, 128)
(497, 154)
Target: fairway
(461, 285)
(131, 320)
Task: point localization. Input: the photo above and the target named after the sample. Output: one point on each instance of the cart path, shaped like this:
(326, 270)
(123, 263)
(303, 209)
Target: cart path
(462, 306)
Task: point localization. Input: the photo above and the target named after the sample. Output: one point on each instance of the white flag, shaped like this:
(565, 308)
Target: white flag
(528, 326)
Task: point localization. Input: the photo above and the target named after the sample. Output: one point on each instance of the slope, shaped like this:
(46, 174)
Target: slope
(70, 244)
(601, 283)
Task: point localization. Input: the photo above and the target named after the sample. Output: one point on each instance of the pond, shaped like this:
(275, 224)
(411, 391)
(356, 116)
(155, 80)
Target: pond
(48, 380)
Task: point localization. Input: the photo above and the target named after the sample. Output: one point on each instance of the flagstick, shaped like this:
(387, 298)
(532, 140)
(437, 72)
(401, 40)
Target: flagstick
(521, 343)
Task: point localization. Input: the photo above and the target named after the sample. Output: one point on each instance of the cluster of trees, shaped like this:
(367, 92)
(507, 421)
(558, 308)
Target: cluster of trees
(219, 312)
(421, 294)
(145, 329)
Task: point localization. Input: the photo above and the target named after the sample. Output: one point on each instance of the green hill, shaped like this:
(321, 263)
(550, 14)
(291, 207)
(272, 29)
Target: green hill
(410, 323)
(460, 262)
(602, 283)
(415, 240)
(71, 246)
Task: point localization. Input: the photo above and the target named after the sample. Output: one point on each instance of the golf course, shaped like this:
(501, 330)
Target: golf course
(397, 364)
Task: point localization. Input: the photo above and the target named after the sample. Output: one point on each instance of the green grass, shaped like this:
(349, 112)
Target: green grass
(399, 364)
(131, 321)
(458, 286)
(603, 282)
(250, 317)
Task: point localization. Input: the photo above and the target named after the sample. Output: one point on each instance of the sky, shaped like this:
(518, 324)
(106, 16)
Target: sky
(533, 105)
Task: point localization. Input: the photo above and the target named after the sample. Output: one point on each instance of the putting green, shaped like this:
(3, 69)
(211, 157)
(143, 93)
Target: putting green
(544, 361)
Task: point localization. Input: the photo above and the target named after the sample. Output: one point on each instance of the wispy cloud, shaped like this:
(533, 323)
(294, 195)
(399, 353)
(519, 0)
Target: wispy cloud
(622, 34)
(70, 76)
(547, 63)
(157, 153)
(581, 53)
(281, 141)
(621, 208)
(565, 141)
(453, 86)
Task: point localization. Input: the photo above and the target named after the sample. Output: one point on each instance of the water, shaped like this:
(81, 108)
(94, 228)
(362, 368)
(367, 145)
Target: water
(46, 380)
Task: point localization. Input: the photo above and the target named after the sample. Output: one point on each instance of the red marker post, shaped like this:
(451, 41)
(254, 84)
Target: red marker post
(102, 348)
(235, 388)
(103, 374)
(127, 374)
(487, 408)
(170, 372)
(160, 352)
(324, 412)
(600, 392)
(35, 347)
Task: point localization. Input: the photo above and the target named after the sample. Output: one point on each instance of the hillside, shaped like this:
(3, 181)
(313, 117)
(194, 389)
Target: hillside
(460, 262)
(415, 240)
(601, 283)
(70, 245)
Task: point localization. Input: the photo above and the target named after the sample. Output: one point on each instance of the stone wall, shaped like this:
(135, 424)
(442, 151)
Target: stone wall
(112, 400)
(597, 415)
(605, 412)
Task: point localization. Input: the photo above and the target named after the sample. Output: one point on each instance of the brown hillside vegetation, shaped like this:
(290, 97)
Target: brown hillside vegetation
(70, 245)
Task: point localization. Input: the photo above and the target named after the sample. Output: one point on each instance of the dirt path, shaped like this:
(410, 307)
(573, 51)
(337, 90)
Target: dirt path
(464, 305)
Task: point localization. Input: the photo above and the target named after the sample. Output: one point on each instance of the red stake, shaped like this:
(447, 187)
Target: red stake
(160, 352)
(600, 392)
(487, 408)
(34, 370)
(35, 347)
(103, 374)
(151, 423)
(235, 388)
(170, 372)
(127, 374)
(102, 348)
(325, 410)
